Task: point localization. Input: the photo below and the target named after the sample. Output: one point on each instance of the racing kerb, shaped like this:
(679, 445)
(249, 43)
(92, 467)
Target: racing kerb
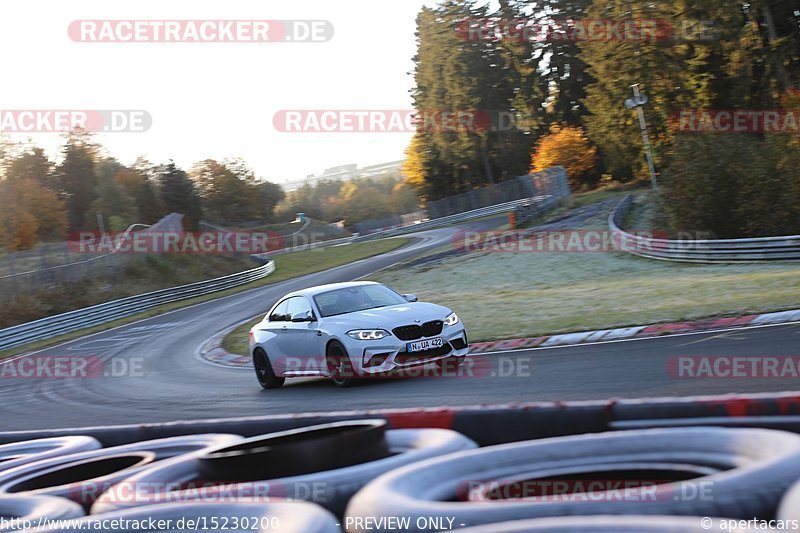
(487, 425)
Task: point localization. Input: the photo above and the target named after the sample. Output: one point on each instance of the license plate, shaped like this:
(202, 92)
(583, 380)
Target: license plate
(427, 344)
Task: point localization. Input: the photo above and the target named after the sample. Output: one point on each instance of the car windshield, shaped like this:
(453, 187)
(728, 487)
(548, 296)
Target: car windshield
(359, 298)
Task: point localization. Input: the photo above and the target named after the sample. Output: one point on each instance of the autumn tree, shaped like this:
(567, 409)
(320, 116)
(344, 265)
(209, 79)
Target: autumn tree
(569, 147)
(30, 214)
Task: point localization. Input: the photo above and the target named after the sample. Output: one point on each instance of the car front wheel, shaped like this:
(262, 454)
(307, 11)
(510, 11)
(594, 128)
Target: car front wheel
(339, 367)
(266, 377)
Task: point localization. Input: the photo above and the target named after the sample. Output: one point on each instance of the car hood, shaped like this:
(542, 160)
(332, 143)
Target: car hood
(392, 316)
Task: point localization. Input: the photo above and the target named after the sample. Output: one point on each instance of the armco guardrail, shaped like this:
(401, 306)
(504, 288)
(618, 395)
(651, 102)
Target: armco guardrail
(52, 326)
(542, 203)
(784, 248)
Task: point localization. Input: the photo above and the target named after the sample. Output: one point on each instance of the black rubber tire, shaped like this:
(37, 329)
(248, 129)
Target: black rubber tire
(790, 504)
(80, 481)
(604, 523)
(34, 508)
(240, 517)
(16, 454)
(295, 452)
(750, 469)
(339, 365)
(331, 489)
(86, 491)
(264, 373)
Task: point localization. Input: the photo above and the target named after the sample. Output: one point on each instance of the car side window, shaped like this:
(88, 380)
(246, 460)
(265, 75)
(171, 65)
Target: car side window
(298, 304)
(279, 314)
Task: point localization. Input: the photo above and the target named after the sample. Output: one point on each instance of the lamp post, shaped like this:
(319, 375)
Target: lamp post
(638, 101)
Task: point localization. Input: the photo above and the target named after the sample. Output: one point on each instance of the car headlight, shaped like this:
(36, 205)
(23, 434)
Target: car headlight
(368, 334)
(451, 320)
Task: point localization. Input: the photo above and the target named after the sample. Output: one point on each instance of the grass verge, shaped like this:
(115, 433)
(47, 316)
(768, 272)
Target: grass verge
(288, 266)
(506, 295)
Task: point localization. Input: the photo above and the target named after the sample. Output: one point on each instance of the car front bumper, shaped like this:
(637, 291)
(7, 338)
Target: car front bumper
(390, 353)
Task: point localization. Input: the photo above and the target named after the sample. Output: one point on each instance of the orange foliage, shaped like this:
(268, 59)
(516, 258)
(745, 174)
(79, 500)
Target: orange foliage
(569, 147)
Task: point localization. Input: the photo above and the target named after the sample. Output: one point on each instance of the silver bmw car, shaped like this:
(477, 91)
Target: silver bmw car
(349, 330)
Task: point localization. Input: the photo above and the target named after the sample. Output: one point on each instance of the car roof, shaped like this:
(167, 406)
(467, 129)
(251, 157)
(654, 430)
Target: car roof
(318, 289)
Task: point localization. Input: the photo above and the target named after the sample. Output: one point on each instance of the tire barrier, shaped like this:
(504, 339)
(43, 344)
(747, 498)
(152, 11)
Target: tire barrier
(287, 517)
(20, 453)
(82, 477)
(783, 423)
(79, 481)
(606, 523)
(488, 424)
(297, 451)
(747, 472)
(790, 504)
(167, 481)
(21, 509)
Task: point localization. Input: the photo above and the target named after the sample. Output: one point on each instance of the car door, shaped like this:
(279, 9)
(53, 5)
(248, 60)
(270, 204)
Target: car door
(299, 340)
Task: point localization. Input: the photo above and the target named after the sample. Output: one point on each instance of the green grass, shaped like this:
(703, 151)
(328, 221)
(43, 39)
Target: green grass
(236, 341)
(506, 295)
(288, 266)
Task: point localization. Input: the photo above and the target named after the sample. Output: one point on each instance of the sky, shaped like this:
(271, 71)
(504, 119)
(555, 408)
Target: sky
(216, 100)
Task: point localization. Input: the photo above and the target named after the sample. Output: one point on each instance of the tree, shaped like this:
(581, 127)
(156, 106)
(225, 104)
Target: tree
(569, 147)
(271, 195)
(116, 205)
(178, 195)
(31, 164)
(30, 213)
(76, 177)
(139, 187)
(676, 70)
(229, 193)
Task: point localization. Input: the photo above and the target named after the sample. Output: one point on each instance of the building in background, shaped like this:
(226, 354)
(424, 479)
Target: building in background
(345, 172)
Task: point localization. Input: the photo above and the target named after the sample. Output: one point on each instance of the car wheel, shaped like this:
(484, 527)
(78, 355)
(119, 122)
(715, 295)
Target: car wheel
(339, 366)
(266, 377)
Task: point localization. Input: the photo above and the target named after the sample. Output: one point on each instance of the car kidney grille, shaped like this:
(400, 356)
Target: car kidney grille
(412, 332)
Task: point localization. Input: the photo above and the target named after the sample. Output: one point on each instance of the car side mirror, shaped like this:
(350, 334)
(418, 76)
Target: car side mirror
(303, 316)
(410, 297)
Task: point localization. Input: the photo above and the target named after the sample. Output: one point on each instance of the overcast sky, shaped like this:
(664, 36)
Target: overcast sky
(217, 100)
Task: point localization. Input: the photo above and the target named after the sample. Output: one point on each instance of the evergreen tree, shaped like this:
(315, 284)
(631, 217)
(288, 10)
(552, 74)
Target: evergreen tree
(76, 177)
(178, 195)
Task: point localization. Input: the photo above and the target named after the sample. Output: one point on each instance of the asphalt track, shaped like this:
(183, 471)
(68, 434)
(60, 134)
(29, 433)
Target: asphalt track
(162, 379)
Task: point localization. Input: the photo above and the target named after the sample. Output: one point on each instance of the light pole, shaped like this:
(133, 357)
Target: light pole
(638, 101)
